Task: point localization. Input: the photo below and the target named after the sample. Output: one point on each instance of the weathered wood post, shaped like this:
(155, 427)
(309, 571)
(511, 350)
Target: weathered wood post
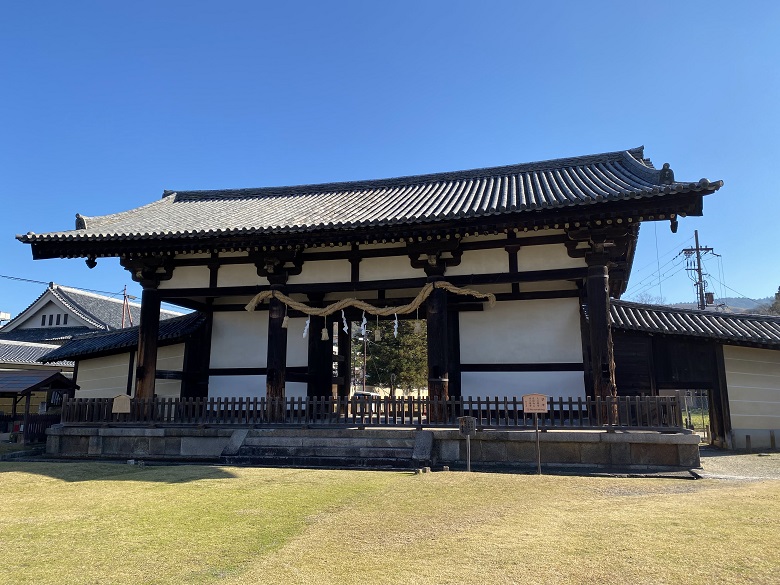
(438, 371)
(148, 331)
(276, 358)
(149, 272)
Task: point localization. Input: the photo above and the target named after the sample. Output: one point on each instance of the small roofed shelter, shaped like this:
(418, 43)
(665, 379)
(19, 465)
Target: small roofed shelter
(22, 384)
(105, 361)
(732, 358)
(499, 261)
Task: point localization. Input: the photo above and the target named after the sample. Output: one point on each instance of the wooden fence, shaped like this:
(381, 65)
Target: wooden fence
(654, 413)
(34, 430)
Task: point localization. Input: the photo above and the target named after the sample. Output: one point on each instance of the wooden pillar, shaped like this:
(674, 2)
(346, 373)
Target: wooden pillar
(602, 358)
(438, 346)
(320, 362)
(276, 361)
(148, 331)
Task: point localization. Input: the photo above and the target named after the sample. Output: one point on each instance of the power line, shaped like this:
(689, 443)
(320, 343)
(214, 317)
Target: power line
(102, 292)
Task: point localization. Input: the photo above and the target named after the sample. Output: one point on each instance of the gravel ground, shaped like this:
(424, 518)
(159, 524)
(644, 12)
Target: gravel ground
(738, 465)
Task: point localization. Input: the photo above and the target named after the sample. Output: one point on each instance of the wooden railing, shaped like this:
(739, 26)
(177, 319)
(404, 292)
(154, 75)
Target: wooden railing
(656, 413)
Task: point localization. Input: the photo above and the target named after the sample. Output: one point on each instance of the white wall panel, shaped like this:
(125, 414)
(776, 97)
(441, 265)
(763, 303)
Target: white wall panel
(388, 268)
(103, 377)
(236, 386)
(525, 332)
(481, 262)
(322, 271)
(239, 339)
(297, 346)
(187, 277)
(515, 384)
(547, 257)
(753, 382)
(239, 275)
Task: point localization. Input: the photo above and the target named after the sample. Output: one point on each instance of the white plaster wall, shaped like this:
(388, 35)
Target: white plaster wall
(322, 271)
(167, 388)
(515, 384)
(547, 257)
(236, 386)
(547, 285)
(187, 277)
(239, 339)
(249, 386)
(525, 332)
(170, 357)
(388, 268)
(753, 382)
(51, 308)
(239, 275)
(103, 377)
(297, 346)
(481, 262)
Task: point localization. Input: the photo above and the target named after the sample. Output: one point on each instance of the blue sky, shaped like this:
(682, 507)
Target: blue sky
(105, 104)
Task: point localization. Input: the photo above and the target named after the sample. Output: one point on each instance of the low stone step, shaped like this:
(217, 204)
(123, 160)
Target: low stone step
(323, 462)
(305, 441)
(323, 451)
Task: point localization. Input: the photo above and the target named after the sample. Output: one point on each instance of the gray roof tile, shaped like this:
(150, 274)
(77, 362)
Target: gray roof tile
(736, 329)
(413, 200)
(102, 342)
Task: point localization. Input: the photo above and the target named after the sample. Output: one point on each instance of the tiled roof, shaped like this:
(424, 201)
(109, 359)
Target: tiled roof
(52, 335)
(17, 381)
(15, 352)
(171, 330)
(99, 311)
(753, 330)
(422, 199)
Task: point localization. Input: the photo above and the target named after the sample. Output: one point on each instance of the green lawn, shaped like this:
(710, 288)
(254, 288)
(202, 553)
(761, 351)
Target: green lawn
(110, 523)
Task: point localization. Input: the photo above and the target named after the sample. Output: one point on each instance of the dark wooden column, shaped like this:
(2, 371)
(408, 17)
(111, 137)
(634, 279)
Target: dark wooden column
(276, 358)
(438, 343)
(320, 362)
(602, 358)
(149, 272)
(277, 267)
(148, 331)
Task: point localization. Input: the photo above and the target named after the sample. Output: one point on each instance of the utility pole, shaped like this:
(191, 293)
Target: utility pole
(700, 284)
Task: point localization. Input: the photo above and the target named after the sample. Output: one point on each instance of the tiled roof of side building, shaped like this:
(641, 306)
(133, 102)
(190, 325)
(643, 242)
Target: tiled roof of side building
(14, 352)
(730, 328)
(53, 335)
(102, 311)
(422, 199)
(105, 342)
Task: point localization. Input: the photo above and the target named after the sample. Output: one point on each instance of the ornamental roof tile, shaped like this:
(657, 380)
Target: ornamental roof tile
(422, 199)
(736, 329)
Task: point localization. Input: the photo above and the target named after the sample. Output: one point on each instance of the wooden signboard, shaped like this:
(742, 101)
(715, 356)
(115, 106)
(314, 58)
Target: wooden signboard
(121, 404)
(535, 404)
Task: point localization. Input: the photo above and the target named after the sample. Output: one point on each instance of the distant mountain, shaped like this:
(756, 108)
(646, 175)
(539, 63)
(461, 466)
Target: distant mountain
(730, 304)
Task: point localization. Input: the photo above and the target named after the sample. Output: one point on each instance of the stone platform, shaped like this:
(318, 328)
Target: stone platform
(378, 447)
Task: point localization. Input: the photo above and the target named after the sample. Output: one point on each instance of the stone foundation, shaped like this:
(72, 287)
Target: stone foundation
(507, 449)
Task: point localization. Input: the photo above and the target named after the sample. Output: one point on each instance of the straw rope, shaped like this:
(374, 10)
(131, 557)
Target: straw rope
(410, 307)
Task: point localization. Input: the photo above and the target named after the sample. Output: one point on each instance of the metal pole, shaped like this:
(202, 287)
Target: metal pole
(468, 452)
(538, 447)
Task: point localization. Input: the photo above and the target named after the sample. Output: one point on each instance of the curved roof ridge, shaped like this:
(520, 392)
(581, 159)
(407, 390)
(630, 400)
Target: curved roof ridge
(634, 155)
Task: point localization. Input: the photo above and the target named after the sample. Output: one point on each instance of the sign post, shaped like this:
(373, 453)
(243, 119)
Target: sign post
(467, 425)
(536, 404)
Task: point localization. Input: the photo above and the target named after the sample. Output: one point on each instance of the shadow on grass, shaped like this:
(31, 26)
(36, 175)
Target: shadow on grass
(75, 471)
